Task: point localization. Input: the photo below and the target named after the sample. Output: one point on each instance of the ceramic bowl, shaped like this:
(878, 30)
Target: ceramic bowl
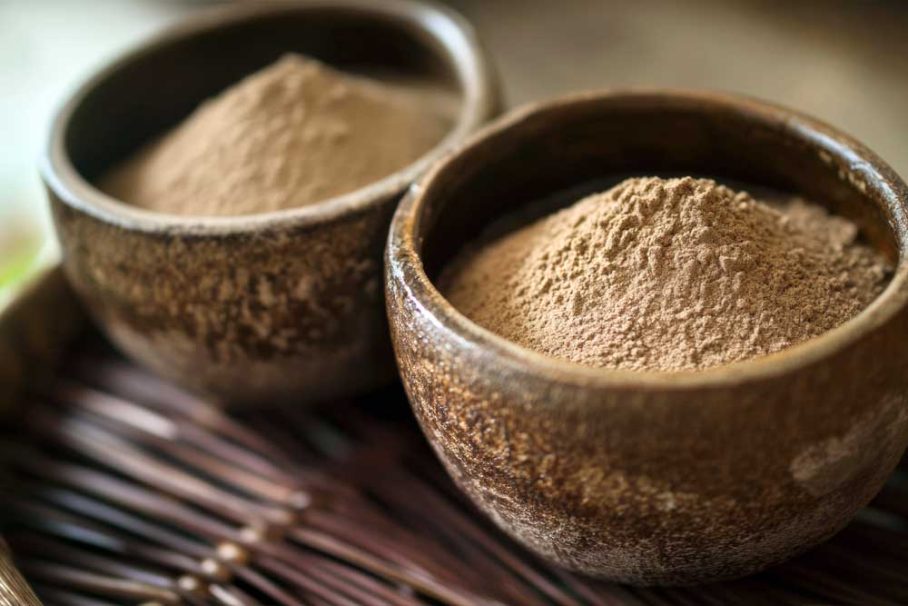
(280, 306)
(647, 477)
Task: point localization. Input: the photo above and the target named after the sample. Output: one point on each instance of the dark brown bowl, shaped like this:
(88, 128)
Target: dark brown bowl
(283, 305)
(646, 477)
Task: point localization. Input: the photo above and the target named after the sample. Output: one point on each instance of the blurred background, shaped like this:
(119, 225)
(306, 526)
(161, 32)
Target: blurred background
(845, 61)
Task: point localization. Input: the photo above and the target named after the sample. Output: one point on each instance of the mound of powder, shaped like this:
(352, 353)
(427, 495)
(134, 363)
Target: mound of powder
(293, 134)
(673, 274)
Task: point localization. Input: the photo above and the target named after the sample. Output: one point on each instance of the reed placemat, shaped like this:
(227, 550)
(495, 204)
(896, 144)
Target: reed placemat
(124, 490)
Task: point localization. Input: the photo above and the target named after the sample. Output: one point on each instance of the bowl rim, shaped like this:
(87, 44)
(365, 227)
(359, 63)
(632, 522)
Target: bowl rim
(458, 45)
(405, 269)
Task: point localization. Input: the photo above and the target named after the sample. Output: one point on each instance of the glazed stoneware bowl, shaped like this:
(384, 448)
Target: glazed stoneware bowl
(286, 305)
(647, 477)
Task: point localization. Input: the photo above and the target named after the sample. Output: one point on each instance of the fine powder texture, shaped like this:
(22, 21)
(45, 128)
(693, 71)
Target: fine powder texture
(668, 274)
(293, 134)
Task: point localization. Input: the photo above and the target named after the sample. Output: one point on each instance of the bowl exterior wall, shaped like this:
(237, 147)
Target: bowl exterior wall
(658, 486)
(286, 313)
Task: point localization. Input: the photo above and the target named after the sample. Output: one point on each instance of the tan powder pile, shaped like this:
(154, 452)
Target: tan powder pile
(673, 274)
(293, 134)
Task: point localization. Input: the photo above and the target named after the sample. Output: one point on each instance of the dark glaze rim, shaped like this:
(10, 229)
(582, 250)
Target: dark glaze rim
(454, 35)
(405, 267)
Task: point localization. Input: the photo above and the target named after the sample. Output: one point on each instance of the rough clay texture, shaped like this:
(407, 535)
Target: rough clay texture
(668, 274)
(291, 135)
(289, 313)
(651, 483)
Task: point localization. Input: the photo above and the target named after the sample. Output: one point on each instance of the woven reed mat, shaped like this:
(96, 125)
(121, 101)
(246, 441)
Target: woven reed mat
(125, 490)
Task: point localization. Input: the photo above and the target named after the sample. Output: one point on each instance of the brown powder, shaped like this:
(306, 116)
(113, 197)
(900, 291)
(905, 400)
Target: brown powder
(293, 134)
(668, 274)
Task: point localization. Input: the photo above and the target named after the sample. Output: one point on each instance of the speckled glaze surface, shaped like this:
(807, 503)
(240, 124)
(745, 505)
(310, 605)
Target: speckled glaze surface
(654, 478)
(285, 305)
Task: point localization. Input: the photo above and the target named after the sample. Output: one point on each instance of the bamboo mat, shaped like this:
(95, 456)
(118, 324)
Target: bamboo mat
(125, 490)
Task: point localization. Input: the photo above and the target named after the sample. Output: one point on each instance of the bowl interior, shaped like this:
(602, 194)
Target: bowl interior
(564, 150)
(154, 88)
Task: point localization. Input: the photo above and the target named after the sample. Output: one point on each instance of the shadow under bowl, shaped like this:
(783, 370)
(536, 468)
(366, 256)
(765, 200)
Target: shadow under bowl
(647, 477)
(284, 305)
